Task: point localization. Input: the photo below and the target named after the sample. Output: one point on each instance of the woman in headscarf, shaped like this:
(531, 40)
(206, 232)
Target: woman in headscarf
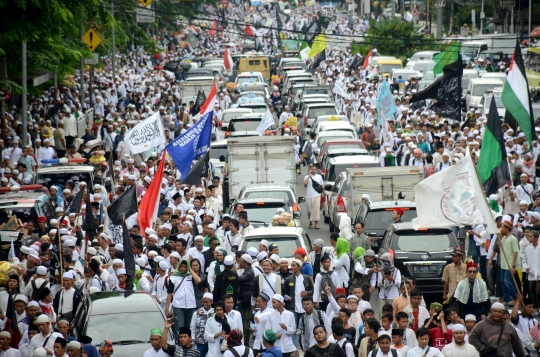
(236, 340)
(216, 267)
(342, 262)
(8, 293)
(89, 350)
(388, 279)
(217, 330)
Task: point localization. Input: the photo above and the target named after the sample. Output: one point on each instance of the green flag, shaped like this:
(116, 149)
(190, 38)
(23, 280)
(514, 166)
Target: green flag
(355, 48)
(303, 46)
(445, 58)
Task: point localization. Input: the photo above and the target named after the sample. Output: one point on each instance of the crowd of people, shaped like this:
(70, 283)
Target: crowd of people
(222, 302)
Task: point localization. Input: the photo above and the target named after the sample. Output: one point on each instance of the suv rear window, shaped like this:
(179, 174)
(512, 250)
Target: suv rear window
(286, 244)
(284, 195)
(381, 219)
(423, 241)
(317, 112)
(335, 170)
(264, 211)
(244, 125)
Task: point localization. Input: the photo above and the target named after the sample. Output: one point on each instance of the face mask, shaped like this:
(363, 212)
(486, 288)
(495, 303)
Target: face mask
(386, 264)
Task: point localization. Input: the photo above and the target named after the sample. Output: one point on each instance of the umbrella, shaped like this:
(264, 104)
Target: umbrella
(535, 32)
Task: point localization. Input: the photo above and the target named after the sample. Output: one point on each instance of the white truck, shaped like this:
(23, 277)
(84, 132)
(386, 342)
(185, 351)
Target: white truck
(381, 184)
(190, 89)
(260, 159)
(471, 48)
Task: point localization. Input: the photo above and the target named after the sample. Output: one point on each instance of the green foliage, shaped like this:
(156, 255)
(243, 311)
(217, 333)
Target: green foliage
(52, 30)
(395, 38)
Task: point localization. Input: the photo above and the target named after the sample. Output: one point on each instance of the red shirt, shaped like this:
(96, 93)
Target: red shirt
(438, 338)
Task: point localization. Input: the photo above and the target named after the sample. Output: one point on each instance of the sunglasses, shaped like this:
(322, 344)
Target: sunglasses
(472, 271)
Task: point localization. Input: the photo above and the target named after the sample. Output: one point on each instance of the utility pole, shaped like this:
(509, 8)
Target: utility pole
(393, 2)
(482, 16)
(24, 105)
(113, 50)
(81, 79)
(530, 16)
(439, 19)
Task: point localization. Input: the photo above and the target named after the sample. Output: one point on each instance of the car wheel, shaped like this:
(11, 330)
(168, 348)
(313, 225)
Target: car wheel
(331, 226)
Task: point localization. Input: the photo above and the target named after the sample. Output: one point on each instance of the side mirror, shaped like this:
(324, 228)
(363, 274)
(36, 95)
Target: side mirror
(301, 199)
(221, 158)
(328, 187)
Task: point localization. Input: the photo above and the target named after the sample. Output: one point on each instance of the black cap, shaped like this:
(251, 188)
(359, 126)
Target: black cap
(456, 252)
(175, 216)
(176, 196)
(384, 335)
(397, 332)
(85, 340)
(42, 294)
(264, 296)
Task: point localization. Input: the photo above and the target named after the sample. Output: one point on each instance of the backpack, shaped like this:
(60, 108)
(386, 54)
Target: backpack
(354, 348)
(326, 278)
(429, 171)
(392, 350)
(308, 152)
(246, 351)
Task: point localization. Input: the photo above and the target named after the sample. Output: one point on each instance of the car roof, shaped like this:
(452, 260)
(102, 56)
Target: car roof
(316, 105)
(237, 110)
(390, 204)
(408, 226)
(344, 141)
(255, 200)
(337, 124)
(353, 151)
(112, 302)
(273, 231)
(352, 159)
(219, 143)
(267, 185)
(485, 81)
(23, 199)
(334, 133)
(65, 169)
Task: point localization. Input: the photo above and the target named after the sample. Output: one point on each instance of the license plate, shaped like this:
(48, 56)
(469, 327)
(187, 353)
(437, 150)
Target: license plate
(426, 269)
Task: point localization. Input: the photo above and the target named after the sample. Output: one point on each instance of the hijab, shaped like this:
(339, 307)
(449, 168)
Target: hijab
(218, 265)
(91, 350)
(222, 320)
(177, 271)
(236, 338)
(389, 265)
(342, 247)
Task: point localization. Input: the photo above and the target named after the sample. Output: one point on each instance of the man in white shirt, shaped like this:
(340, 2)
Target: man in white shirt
(67, 300)
(198, 250)
(459, 347)
(46, 337)
(525, 191)
(313, 198)
(531, 265)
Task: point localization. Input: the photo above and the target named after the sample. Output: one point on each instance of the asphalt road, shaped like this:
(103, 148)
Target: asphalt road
(313, 234)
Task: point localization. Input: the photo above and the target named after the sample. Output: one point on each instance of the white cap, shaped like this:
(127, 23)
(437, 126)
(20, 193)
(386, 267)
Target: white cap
(41, 270)
(229, 260)
(121, 271)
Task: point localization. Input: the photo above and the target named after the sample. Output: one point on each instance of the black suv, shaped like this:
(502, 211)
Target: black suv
(377, 216)
(421, 254)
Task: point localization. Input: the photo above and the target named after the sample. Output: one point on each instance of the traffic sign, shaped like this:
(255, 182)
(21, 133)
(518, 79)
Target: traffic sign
(91, 39)
(145, 2)
(145, 14)
(4, 95)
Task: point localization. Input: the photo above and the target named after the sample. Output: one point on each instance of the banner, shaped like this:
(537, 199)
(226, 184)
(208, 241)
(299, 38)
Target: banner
(147, 134)
(385, 102)
(452, 197)
(113, 230)
(191, 145)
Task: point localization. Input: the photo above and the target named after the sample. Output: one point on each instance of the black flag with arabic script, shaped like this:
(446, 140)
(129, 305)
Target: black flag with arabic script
(201, 98)
(198, 170)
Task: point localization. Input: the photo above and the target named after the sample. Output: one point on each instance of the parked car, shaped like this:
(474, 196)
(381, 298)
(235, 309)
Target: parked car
(339, 144)
(108, 315)
(421, 254)
(310, 113)
(288, 239)
(377, 216)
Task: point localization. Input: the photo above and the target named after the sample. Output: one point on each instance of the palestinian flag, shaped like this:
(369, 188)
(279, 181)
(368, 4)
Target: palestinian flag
(493, 169)
(249, 31)
(515, 96)
(446, 57)
(303, 48)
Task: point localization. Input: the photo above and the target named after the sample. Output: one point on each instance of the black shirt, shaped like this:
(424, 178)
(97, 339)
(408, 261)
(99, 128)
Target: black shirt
(338, 351)
(317, 264)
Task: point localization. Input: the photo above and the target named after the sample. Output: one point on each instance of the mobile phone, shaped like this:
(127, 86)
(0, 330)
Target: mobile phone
(173, 319)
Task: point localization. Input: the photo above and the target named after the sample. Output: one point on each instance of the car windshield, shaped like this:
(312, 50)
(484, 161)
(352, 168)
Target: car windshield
(226, 117)
(283, 195)
(263, 211)
(422, 242)
(481, 89)
(105, 327)
(316, 91)
(322, 139)
(286, 244)
(240, 80)
(317, 112)
(244, 125)
(381, 219)
(387, 68)
(217, 151)
(345, 146)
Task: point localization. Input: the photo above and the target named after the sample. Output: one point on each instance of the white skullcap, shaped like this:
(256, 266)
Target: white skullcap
(229, 260)
(247, 258)
(117, 261)
(498, 305)
(208, 296)
(252, 252)
(261, 256)
(459, 327)
(41, 270)
(68, 275)
(163, 265)
(278, 297)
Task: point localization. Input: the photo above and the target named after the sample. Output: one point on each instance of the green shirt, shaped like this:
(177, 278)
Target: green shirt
(510, 246)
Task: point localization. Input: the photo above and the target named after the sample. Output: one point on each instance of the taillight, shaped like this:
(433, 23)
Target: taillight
(267, 132)
(305, 121)
(227, 134)
(340, 207)
(322, 199)
(324, 172)
(295, 207)
(391, 251)
(274, 132)
(220, 124)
